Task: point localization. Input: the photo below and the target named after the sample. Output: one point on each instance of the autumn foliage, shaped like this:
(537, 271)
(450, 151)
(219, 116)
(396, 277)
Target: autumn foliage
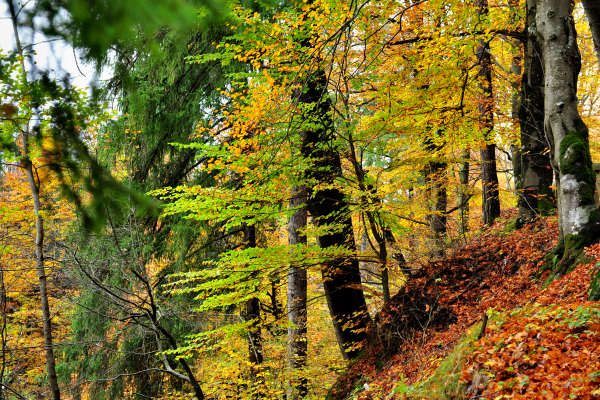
(301, 199)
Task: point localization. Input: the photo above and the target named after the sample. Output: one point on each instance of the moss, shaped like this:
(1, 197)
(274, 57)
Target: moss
(594, 217)
(349, 381)
(575, 160)
(545, 205)
(565, 256)
(594, 291)
(513, 225)
(445, 381)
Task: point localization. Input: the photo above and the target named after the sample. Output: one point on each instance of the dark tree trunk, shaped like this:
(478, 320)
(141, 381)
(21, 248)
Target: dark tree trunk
(252, 310)
(341, 277)
(489, 176)
(534, 185)
(297, 296)
(435, 178)
(438, 219)
(592, 10)
(463, 193)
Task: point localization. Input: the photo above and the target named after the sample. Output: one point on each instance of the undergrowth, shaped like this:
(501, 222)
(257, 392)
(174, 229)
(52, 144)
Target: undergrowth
(445, 382)
(542, 343)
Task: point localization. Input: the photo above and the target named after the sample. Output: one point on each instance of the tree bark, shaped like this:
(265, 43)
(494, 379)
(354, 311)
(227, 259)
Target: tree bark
(378, 230)
(435, 177)
(463, 194)
(39, 233)
(489, 176)
(297, 297)
(3, 332)
(578, 214)
(328, 207)
(516, 71)
(39, 257)
(377, 226)
(534, 185)
(592, 10)
(252, 310)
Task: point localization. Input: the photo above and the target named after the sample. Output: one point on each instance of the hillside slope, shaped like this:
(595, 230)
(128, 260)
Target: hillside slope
(430, 327)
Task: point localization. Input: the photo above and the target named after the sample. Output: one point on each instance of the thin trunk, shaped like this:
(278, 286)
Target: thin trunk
(577, 211)
(534, 186)
(3, 331)
(440, 202)
(39, 256)
(435, 177)
(489, 176)
(368, 198)
(328, 207)
(516, 70)
(363, 246)
(592, 10)
(463, 194)
(378, 231)
(188, 371)
(39, 234)
(385, 274)
(297, 297)
(252, 311)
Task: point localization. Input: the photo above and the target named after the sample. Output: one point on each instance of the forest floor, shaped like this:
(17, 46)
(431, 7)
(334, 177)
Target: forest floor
(540, 342)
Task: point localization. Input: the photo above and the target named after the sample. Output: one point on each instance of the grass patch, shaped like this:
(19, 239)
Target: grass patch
(444, 384)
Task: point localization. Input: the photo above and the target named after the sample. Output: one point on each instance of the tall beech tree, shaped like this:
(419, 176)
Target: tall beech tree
(462, 197)
(25, 137)
(436, 181)
(297, 298)
(328, 207)
(251, 314)
(579, 217)
(489, 176)
(534, 179)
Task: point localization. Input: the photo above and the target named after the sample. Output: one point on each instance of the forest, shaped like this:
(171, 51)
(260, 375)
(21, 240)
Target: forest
(299, 199)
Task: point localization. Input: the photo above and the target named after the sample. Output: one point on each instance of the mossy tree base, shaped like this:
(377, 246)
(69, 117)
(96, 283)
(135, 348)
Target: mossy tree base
(564, 257)
(568, 254)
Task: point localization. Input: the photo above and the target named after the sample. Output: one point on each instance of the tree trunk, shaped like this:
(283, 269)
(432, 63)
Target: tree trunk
(438, 219)
(297, 296)
(39, 233)
(463, 194)
(376, 223)
(516, 70)
(489, 176)
(534, 185)
(577, 212)
(435, 177)
(3, 332)
(592, 10)
(341, 276)
(39, 257)
(378, 230)
(252, 310)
